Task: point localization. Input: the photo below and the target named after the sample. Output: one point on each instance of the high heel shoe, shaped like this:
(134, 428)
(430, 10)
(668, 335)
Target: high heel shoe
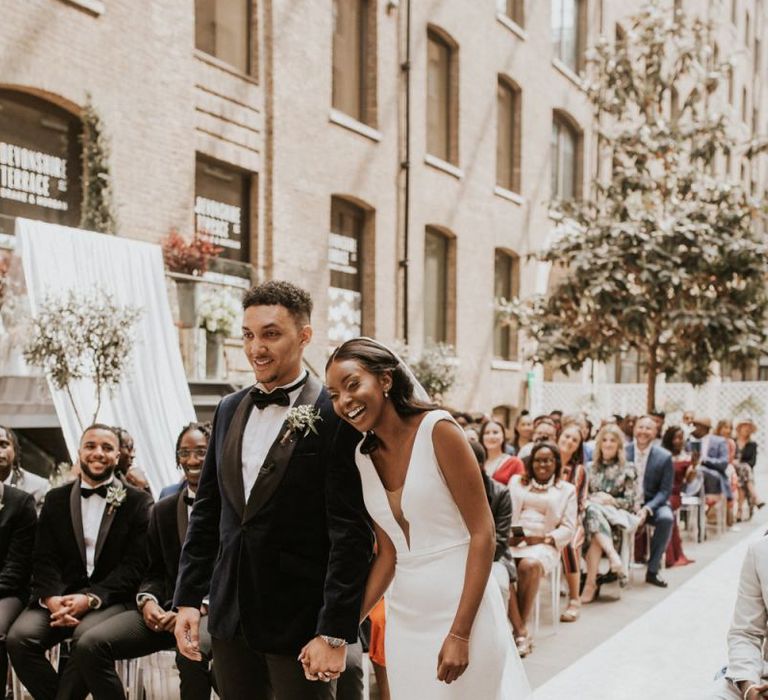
(621, 575)
(586, 599)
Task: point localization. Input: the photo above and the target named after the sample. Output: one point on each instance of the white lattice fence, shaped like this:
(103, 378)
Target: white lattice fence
(716, 400)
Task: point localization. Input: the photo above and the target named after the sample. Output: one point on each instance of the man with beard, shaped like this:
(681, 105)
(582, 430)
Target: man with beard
(11, 473)
(88, 562)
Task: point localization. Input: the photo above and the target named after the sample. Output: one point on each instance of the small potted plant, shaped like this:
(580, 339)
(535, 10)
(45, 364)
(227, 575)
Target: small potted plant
(218, 314)
(188, 257)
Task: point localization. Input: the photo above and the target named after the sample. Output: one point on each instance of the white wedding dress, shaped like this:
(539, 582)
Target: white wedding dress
(429, 577)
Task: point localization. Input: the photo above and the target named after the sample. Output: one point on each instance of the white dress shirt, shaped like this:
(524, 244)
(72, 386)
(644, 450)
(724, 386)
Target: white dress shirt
(92, 511)
(260, 432)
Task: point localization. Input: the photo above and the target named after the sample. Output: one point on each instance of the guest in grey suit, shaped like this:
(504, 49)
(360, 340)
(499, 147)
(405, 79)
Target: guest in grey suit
(747, 672)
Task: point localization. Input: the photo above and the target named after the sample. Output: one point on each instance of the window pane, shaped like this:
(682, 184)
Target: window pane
(221, 207)
(345, 293)
(435, 287)
(349, 22)
(565, 24)
(505, 136)
(514, 9)
(222, 29)
(554, 158)
(438, 95)
(502, 287)
(563, 154)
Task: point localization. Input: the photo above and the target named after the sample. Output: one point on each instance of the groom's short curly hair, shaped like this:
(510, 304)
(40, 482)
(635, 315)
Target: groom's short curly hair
(278, 292)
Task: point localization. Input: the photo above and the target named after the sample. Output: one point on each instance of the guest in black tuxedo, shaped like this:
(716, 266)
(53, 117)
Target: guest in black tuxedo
(148, 627)
(279, 533)
(18, 520)
(11, 473)
(89, 557)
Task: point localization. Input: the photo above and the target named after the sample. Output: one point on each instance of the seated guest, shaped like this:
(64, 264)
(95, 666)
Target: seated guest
(544, 509)
(746, 455)
(503, 569)
(746, 676)
(710, 454)
(570, 443)
(544, 430)
(612, 502)
(18, 520)
(655, 475)
(674, 442)
(126, 470)
(11, 472)
(523, 432)
(148, 627)
(89, 556)
(498, 465)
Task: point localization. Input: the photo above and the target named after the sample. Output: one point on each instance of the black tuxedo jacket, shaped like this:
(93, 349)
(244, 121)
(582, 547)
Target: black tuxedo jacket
(289, 561)
(120, 557)
(167, 529)
(18, 520)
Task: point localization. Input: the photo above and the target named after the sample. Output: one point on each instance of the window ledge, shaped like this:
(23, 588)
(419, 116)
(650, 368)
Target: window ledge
(446, 167)
(507, 365)
(575, 78)
(96, 7)
(223, 65)
(509, 195)
(337, 117)
(513, 26)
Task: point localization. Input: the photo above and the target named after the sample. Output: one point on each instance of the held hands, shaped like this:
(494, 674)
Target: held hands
(187, 633)
(67, 610)
(157, 619)
(757, 692)
(321, 661)
(453, 659)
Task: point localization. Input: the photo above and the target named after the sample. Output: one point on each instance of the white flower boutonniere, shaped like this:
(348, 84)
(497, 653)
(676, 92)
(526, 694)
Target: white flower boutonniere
(301, 418)
(116, 494)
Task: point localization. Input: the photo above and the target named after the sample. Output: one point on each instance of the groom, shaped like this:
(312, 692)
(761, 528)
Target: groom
(278, 537)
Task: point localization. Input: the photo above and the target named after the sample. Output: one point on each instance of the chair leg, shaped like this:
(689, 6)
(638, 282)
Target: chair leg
(555, 593)
(537, 612)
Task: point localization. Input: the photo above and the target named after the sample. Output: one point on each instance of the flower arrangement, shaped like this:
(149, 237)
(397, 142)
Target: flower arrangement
(84, 335)
(301, 418)
(218, 313)
(190, 257)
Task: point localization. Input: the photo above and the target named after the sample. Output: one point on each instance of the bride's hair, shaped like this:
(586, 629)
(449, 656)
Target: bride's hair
(377, 359)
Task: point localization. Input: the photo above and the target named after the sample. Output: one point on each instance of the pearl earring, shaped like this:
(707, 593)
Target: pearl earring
(386, 394)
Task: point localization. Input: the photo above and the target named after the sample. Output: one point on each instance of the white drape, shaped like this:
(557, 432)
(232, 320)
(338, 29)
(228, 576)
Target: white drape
(153, 402)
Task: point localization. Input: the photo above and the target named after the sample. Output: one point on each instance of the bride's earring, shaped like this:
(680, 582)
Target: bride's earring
(386, 393)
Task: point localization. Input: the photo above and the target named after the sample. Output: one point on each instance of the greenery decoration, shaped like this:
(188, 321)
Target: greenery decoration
(84, 335)
(190, 257)
(97, 208)
(663, 257)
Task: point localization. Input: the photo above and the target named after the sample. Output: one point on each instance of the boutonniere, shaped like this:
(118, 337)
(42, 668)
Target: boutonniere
(301, 418)
(116, 494)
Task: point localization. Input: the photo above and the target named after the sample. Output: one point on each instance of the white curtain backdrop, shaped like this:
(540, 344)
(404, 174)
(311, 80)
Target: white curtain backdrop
(153, 403)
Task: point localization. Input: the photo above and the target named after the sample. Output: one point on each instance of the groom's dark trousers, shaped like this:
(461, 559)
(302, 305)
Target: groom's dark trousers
(284, 563)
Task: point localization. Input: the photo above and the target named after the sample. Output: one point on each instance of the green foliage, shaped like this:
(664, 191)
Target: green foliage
(82, 336)
(97, 212)
(663, 257)
(435, 368)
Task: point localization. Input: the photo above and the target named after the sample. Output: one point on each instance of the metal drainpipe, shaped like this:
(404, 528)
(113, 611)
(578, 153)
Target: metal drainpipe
(406, 165)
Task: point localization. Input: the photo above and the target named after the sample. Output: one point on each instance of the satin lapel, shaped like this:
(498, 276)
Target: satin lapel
(182, 519)
(232, 455)
(76, 513)
(106, 522)
(279, 456)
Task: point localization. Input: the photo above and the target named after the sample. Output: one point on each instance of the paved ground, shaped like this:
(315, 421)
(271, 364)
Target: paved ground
(652, 642)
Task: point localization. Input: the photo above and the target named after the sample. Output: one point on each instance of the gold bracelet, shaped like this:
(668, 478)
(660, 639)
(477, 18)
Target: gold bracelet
(460, 638)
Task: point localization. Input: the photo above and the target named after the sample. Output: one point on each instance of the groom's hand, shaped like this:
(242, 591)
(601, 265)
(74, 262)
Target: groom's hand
(187, 633)
(321, 661)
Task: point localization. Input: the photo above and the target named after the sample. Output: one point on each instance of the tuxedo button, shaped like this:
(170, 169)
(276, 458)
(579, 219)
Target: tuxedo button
(268, 467)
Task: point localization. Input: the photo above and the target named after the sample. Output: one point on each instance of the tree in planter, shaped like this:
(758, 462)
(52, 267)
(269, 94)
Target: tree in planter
(97, 212)
(664, 257)
(82, 336)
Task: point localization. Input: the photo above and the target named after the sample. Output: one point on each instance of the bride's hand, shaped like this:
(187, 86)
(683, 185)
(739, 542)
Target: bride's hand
(453, 659)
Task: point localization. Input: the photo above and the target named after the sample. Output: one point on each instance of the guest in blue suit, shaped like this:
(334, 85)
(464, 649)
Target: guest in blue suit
(655, 473)
(713, 457)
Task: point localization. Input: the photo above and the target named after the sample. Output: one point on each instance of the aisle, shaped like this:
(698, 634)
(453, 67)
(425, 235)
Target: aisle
(673, 650)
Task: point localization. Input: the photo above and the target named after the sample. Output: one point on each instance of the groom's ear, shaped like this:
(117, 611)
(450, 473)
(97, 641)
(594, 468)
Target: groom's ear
(305, 335)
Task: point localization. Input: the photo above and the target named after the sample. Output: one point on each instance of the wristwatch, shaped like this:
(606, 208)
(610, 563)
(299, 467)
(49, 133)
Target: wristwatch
(333, 642)
(94, 602)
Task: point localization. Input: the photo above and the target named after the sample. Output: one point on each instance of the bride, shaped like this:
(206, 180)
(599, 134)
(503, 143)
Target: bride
(447, 635)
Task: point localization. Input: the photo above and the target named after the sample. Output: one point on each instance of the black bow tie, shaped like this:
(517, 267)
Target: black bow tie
(189, 500)
(278, 397)
(101, 490)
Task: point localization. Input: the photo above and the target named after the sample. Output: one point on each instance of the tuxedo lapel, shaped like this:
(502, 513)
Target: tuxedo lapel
(279, 455)
(232, 455)
(182, 519)
(77, 519)
(106, 522)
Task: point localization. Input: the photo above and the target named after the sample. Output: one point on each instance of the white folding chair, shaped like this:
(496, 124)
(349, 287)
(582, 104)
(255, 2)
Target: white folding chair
(554, 590)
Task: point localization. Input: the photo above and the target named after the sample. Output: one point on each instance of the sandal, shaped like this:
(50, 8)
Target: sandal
(524, 646)
(572, 612)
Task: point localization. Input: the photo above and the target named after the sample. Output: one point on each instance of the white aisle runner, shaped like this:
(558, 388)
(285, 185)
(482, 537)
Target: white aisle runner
(673, 651)
(153, 403)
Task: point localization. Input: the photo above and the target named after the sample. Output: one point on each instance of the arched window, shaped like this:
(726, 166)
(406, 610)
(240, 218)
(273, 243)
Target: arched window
(40, 166)
(565, 157)
(442, 96)
(508, 143)
(439, 302)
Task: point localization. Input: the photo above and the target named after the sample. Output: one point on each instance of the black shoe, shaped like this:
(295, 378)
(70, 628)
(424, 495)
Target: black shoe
(654, 580)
